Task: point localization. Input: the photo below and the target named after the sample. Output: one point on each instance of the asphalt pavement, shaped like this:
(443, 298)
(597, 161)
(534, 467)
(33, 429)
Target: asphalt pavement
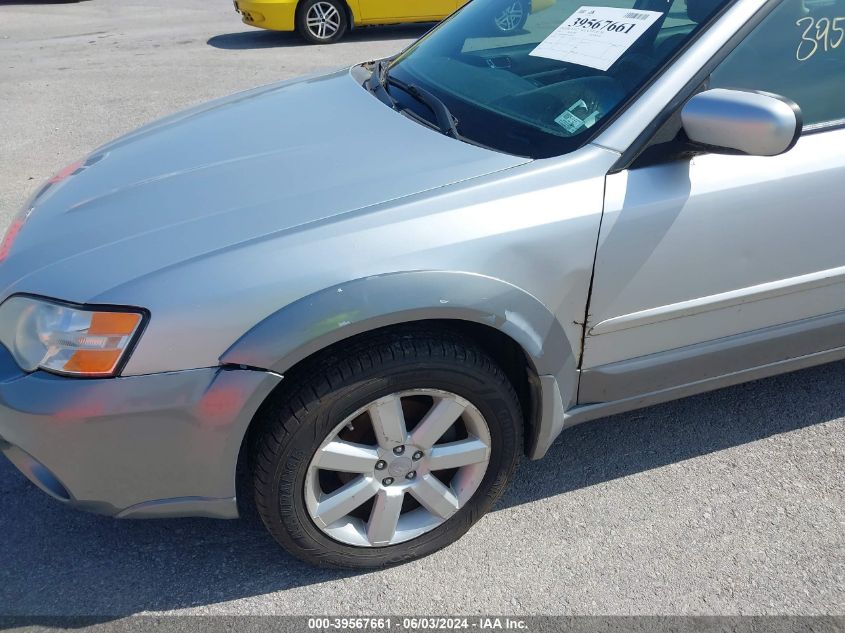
(727, 503)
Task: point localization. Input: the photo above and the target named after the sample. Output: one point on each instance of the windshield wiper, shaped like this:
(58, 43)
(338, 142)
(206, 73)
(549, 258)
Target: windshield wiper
(446, 122)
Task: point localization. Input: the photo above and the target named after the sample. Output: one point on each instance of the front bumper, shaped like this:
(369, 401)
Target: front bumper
(277, 15)
(139, 446)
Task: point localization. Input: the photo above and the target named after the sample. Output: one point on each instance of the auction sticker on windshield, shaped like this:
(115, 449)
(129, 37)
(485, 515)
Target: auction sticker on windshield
(596, 36)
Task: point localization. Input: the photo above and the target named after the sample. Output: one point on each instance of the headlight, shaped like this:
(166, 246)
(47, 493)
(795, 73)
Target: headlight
(43, 334)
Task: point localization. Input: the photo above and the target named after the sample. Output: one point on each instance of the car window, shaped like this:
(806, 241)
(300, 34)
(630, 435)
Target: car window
(797, 51)
(521, 77)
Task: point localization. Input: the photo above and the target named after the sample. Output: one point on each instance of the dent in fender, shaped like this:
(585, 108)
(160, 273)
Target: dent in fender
(331, 315)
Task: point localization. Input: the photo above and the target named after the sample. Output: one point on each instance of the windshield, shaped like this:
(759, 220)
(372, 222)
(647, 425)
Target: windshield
(537, 77)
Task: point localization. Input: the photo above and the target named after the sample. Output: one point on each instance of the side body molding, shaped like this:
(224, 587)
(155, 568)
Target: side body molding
(333, 314)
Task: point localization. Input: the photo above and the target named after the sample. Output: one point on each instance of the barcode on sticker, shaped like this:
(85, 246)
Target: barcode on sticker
(633, 15)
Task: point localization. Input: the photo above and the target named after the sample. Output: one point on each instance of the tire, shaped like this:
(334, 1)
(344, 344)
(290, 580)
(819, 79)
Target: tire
(299, 426)
(511, 18)
(322, 21)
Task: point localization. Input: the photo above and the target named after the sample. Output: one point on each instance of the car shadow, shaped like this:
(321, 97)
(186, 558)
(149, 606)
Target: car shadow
(56, 561)
(257, 39)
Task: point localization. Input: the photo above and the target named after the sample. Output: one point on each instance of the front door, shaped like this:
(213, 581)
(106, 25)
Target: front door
(709, 258)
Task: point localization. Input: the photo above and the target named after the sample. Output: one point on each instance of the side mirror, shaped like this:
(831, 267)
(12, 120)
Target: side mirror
(755, 123)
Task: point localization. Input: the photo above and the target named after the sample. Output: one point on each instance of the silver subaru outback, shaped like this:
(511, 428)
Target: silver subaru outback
(357, 298)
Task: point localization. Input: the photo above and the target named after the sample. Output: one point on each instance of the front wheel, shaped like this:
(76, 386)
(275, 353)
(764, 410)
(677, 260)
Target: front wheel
(322, 21)
(388, 452)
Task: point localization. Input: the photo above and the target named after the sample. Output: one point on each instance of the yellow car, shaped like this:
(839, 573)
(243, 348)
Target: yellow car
(325, 21)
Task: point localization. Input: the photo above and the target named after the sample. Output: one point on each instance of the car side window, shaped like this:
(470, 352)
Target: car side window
(797, 51)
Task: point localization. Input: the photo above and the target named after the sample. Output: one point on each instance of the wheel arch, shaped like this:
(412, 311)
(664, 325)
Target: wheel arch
(505, 320)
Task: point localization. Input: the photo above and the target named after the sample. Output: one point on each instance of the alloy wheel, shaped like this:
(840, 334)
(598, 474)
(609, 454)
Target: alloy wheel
(323, 20)
(397, 468)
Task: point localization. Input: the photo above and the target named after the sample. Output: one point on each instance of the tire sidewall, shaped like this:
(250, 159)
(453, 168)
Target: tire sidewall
(496, 405)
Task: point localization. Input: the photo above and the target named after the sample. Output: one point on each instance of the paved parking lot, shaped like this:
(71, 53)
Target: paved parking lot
(727, 503)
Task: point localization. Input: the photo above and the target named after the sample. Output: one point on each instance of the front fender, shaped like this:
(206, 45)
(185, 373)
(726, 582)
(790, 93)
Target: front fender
(326, 317)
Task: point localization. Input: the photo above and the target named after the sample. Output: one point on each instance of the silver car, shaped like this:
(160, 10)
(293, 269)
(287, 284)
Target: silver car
(358, 298)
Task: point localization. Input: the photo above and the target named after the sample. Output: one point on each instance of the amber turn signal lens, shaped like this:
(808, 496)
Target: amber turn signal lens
(93, 362)
(114, 323)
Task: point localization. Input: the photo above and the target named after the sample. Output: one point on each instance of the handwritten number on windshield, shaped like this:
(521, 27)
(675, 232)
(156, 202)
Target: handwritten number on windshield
(824, 33)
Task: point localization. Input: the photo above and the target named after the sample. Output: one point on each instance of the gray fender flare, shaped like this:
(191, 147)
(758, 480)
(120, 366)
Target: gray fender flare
(331, 315)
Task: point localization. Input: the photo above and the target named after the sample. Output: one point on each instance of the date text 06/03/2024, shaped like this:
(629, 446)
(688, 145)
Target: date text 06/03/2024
(481, 623)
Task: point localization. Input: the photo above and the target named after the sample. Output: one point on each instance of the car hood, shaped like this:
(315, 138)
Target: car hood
(275, 159)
